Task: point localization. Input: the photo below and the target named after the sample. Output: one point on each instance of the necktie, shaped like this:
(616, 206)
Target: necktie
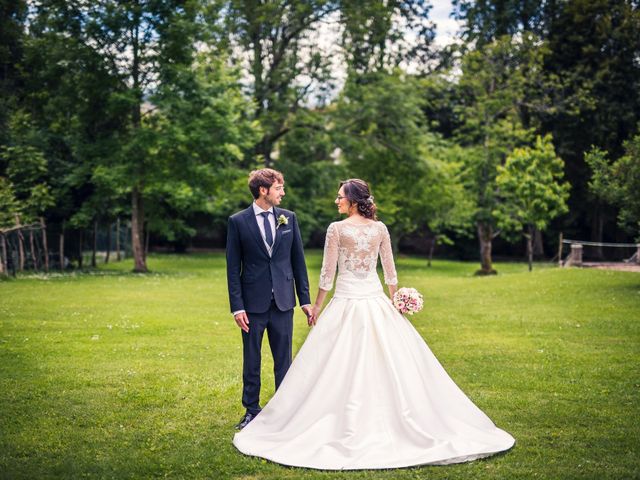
(268, 234)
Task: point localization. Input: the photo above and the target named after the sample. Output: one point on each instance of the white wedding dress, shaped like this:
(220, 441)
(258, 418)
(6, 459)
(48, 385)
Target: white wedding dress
(365, 391)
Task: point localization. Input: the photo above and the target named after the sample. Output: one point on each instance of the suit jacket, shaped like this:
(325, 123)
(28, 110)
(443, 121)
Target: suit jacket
(252, 274)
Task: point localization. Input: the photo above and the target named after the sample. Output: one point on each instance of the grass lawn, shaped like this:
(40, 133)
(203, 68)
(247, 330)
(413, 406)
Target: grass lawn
(114, 375)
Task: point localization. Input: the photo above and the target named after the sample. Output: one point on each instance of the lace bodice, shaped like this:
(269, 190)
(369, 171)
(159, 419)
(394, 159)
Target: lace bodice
(355, 248)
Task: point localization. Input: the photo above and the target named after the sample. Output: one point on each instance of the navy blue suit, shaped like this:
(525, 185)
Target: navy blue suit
(265, 286)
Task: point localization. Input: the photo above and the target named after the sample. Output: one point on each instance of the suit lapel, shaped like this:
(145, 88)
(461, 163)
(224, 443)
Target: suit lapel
(252, 222)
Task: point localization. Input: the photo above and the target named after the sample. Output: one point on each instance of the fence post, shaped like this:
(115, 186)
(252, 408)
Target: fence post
(638, 253)
(128, 240)
(44, 244)
(118, 255)
(576, 254)
(560, 251)
(32, 245)
(20, 245)
(106, 257)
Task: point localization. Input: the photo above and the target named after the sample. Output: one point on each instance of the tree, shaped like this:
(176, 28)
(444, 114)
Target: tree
(9, 205)
(487, 20)
(288, 68)
(307, 156)
(592, 72)
(498, 85)
(379, 127)
(277, 39)
(69, 94)
(158, 38)
(594, 46)
(201, 129)
(129, 109)
(26, 170)
(12, 18)
(618, 183)
(626, 172)
(529, 184)
(451, 207)
(381, 36)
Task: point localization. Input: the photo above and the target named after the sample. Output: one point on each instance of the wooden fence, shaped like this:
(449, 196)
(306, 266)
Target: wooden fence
(35, 247)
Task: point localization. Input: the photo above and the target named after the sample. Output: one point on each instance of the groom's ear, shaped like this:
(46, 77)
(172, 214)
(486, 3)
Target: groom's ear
(263, 191)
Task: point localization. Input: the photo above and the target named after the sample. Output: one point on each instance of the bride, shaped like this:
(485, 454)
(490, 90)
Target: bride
(365, 391)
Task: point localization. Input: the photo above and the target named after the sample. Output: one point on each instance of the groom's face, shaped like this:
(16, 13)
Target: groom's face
(274, 195)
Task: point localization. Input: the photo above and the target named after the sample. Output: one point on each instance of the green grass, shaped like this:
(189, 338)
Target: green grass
(114, 375)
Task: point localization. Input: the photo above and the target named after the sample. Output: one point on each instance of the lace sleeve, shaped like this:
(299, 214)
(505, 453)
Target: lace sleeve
(386, 258)
(330, 258)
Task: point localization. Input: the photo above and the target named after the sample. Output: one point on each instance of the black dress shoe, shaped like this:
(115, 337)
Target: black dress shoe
(245, 420)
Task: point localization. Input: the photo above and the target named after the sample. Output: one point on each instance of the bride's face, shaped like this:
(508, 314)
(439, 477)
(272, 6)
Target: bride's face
(342, 202)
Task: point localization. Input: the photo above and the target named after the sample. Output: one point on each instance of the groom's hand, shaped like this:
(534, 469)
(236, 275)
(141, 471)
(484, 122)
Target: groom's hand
(242, 320)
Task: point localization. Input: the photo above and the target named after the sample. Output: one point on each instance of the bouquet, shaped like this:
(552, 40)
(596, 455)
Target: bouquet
(408, 300)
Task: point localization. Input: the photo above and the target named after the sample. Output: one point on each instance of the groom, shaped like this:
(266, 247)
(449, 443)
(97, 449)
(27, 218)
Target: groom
(264, 261)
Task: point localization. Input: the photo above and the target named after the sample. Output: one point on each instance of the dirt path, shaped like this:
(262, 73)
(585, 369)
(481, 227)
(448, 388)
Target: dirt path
(624, 267)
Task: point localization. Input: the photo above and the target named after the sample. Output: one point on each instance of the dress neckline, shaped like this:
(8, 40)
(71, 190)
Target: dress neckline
(372, 222)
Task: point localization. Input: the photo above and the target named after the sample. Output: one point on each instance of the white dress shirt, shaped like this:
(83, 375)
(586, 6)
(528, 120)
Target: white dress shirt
(272, 221)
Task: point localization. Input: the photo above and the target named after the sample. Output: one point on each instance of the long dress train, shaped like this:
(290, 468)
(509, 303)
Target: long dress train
(365, 391)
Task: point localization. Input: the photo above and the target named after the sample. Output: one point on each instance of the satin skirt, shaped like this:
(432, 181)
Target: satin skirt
(365, 392)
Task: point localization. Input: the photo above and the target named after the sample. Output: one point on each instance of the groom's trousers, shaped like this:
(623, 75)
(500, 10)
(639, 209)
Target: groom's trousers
(279, 327)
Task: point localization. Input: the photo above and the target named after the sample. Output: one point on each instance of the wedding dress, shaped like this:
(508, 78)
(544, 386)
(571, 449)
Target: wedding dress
(365, 391)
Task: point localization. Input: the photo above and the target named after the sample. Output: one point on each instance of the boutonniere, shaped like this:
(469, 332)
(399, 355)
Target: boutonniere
(282, 220)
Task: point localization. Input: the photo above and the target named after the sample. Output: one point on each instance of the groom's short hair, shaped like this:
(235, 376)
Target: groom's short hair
(265, 177)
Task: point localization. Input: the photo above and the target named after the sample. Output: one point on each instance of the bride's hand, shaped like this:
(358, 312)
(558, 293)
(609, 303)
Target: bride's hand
(315, 313)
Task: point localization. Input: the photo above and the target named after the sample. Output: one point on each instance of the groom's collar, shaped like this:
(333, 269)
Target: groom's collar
(257, 210)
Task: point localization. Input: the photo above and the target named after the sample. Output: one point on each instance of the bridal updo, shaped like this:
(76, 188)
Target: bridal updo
(357, 192)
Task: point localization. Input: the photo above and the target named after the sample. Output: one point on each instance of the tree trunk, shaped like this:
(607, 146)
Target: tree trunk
(20, 245)
(538, 245)
(485, 237)
(81, 239)
(146, 240)
(106, 257)
(432, 247)
(137, 210)
(137, 220)
(530, 237)
(45, 246)
(21, 256)
(95, 243)
(3, 255)
(33, 250)
(560, 245)
(62, 248)
(118, 255)
(127, 240)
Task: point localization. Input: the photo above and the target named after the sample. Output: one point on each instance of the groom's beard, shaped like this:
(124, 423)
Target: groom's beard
(274, 202)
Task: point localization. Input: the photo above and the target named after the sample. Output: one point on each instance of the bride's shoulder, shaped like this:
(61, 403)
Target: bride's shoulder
(333, 226)
(341, 223)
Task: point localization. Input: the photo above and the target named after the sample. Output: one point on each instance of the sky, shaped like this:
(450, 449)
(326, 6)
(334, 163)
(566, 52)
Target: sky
(328, 33)
(446, 26)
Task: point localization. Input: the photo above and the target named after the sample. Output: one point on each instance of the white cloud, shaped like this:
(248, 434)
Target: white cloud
(446, 27)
